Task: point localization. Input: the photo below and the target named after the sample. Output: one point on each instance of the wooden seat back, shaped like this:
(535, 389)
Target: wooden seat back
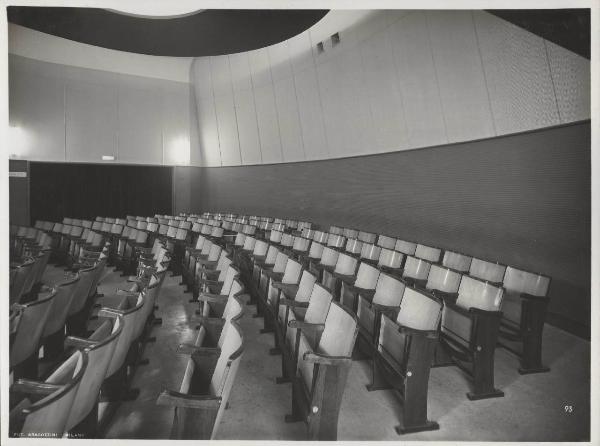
(370, 252)
(22, 274)
(48, 415)
(386, 242)
(214, 252)
(335, 230)
(484, 270)
(128, 310)
(230, 274)
(240, 237)
(349, 233)
(389, 258)
(100, 348)
(320, 237)
(443, 279)
(367, 237)
(65, 291)
(287, 240)
(428, 253)
(419, 310)
(516, 282)
(82, 291)
(329, 256)
(307, 233)
(346, 264)
(271, 256)
(275, 236)
(336, 241)
(457, 261)
(367, 276)
(249, 243)
(260, 248)
(388, 291)
(301, 244)
(316, 250)
(415, 268)
(32, 317)
(353, 246)
(408, 248)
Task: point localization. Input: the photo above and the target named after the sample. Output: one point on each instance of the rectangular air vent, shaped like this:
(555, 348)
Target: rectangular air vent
(335, 39)
(320, 48)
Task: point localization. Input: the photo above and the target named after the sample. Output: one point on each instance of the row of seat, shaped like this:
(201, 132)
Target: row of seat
(91, 344)
(456, 316)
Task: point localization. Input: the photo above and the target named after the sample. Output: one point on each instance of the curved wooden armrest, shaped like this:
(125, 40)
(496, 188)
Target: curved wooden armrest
(121, 292)
(173, 398)
(292, 303)
(301, 325)
(433, 334)
(288, 288)
(417, 283)
(349, 278)
(79, 343)
(485, 313)
(205, 320)
(388, 310)
(532, 297)
(109, 312)
(34, 387)
(206, 261)
(209, 282)
(326, 360)
(215, 298)
(188, 349)
(446, 297)
(273, 275)
(367, 295)
(366, 292)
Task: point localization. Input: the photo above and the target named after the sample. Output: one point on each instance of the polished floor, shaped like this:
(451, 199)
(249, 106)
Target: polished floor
(533, 408)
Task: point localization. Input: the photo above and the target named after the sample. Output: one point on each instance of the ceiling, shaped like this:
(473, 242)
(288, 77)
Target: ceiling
(205, 33)
(215, 32)
(569, 28)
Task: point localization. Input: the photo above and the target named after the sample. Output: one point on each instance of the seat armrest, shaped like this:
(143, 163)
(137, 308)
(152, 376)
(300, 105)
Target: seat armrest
(348, 278)
(188, 349)
(215, 298)
(528, 296)
(32, 387)
(79, 343)
(318, 358)
(177, 399)
(292, 303)
(416, 332)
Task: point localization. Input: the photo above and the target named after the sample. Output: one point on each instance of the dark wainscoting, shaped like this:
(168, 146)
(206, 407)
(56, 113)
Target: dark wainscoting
(522, 200)
(18, 190)
(88, 190)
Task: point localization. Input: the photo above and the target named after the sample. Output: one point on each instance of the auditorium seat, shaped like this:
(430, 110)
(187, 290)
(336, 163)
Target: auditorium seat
(345, 268)
(370, 253)
(457, 261)
(100, 347)
(385, 300)
(488, 271)
(290, 276)
(364, 282)
(391, 262)
(386, 242)
(328, 259)
(416, 271)
(469, 332)
(408, 248)
(443, 282)
(209, 376)
(28, 325)
(405, 348)
(313, 312)
(53, 334)
(523, 315)
(41, 409)
(323, 365)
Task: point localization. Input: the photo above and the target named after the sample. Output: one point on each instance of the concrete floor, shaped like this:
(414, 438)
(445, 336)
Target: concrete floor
(532, 409)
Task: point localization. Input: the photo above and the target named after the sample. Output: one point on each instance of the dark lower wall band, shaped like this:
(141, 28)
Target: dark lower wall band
(522, 200)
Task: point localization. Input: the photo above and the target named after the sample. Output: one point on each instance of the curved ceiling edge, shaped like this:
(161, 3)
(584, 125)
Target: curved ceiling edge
(210, 32)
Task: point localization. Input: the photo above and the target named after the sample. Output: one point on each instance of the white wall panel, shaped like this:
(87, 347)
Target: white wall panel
(208, 132)
(417, 80)
(383, 93)
(280, 62)
(517, 74)
(268, 125)
(289, 121)
(300, 52)
(91, 122)
(247, 127)
(220, 75)
(260, 67)
(36, 107)
(311, 115)
(139, 123)
(176, 123)
(228, 133)
(571, 77)
(460, 75)
(240, 71)
(201, 78)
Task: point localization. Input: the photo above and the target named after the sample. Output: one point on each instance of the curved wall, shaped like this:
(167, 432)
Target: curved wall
(397, 80)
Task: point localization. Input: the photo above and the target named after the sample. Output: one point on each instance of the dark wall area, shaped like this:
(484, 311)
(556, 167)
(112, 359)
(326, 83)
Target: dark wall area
(522, 200)
(18, 187)
(88, 190)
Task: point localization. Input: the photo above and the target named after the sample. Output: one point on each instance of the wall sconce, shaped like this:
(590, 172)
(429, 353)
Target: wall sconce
(108, 158)
(180, 151)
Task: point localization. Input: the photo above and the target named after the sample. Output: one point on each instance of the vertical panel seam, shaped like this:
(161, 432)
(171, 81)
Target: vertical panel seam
(297, 103)
(255, 110)
(212, 89)
(552, 80)
(237, 127)
(275, 103)
(399, 84)
(314, 62)
(487, 88)
(437, 80)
